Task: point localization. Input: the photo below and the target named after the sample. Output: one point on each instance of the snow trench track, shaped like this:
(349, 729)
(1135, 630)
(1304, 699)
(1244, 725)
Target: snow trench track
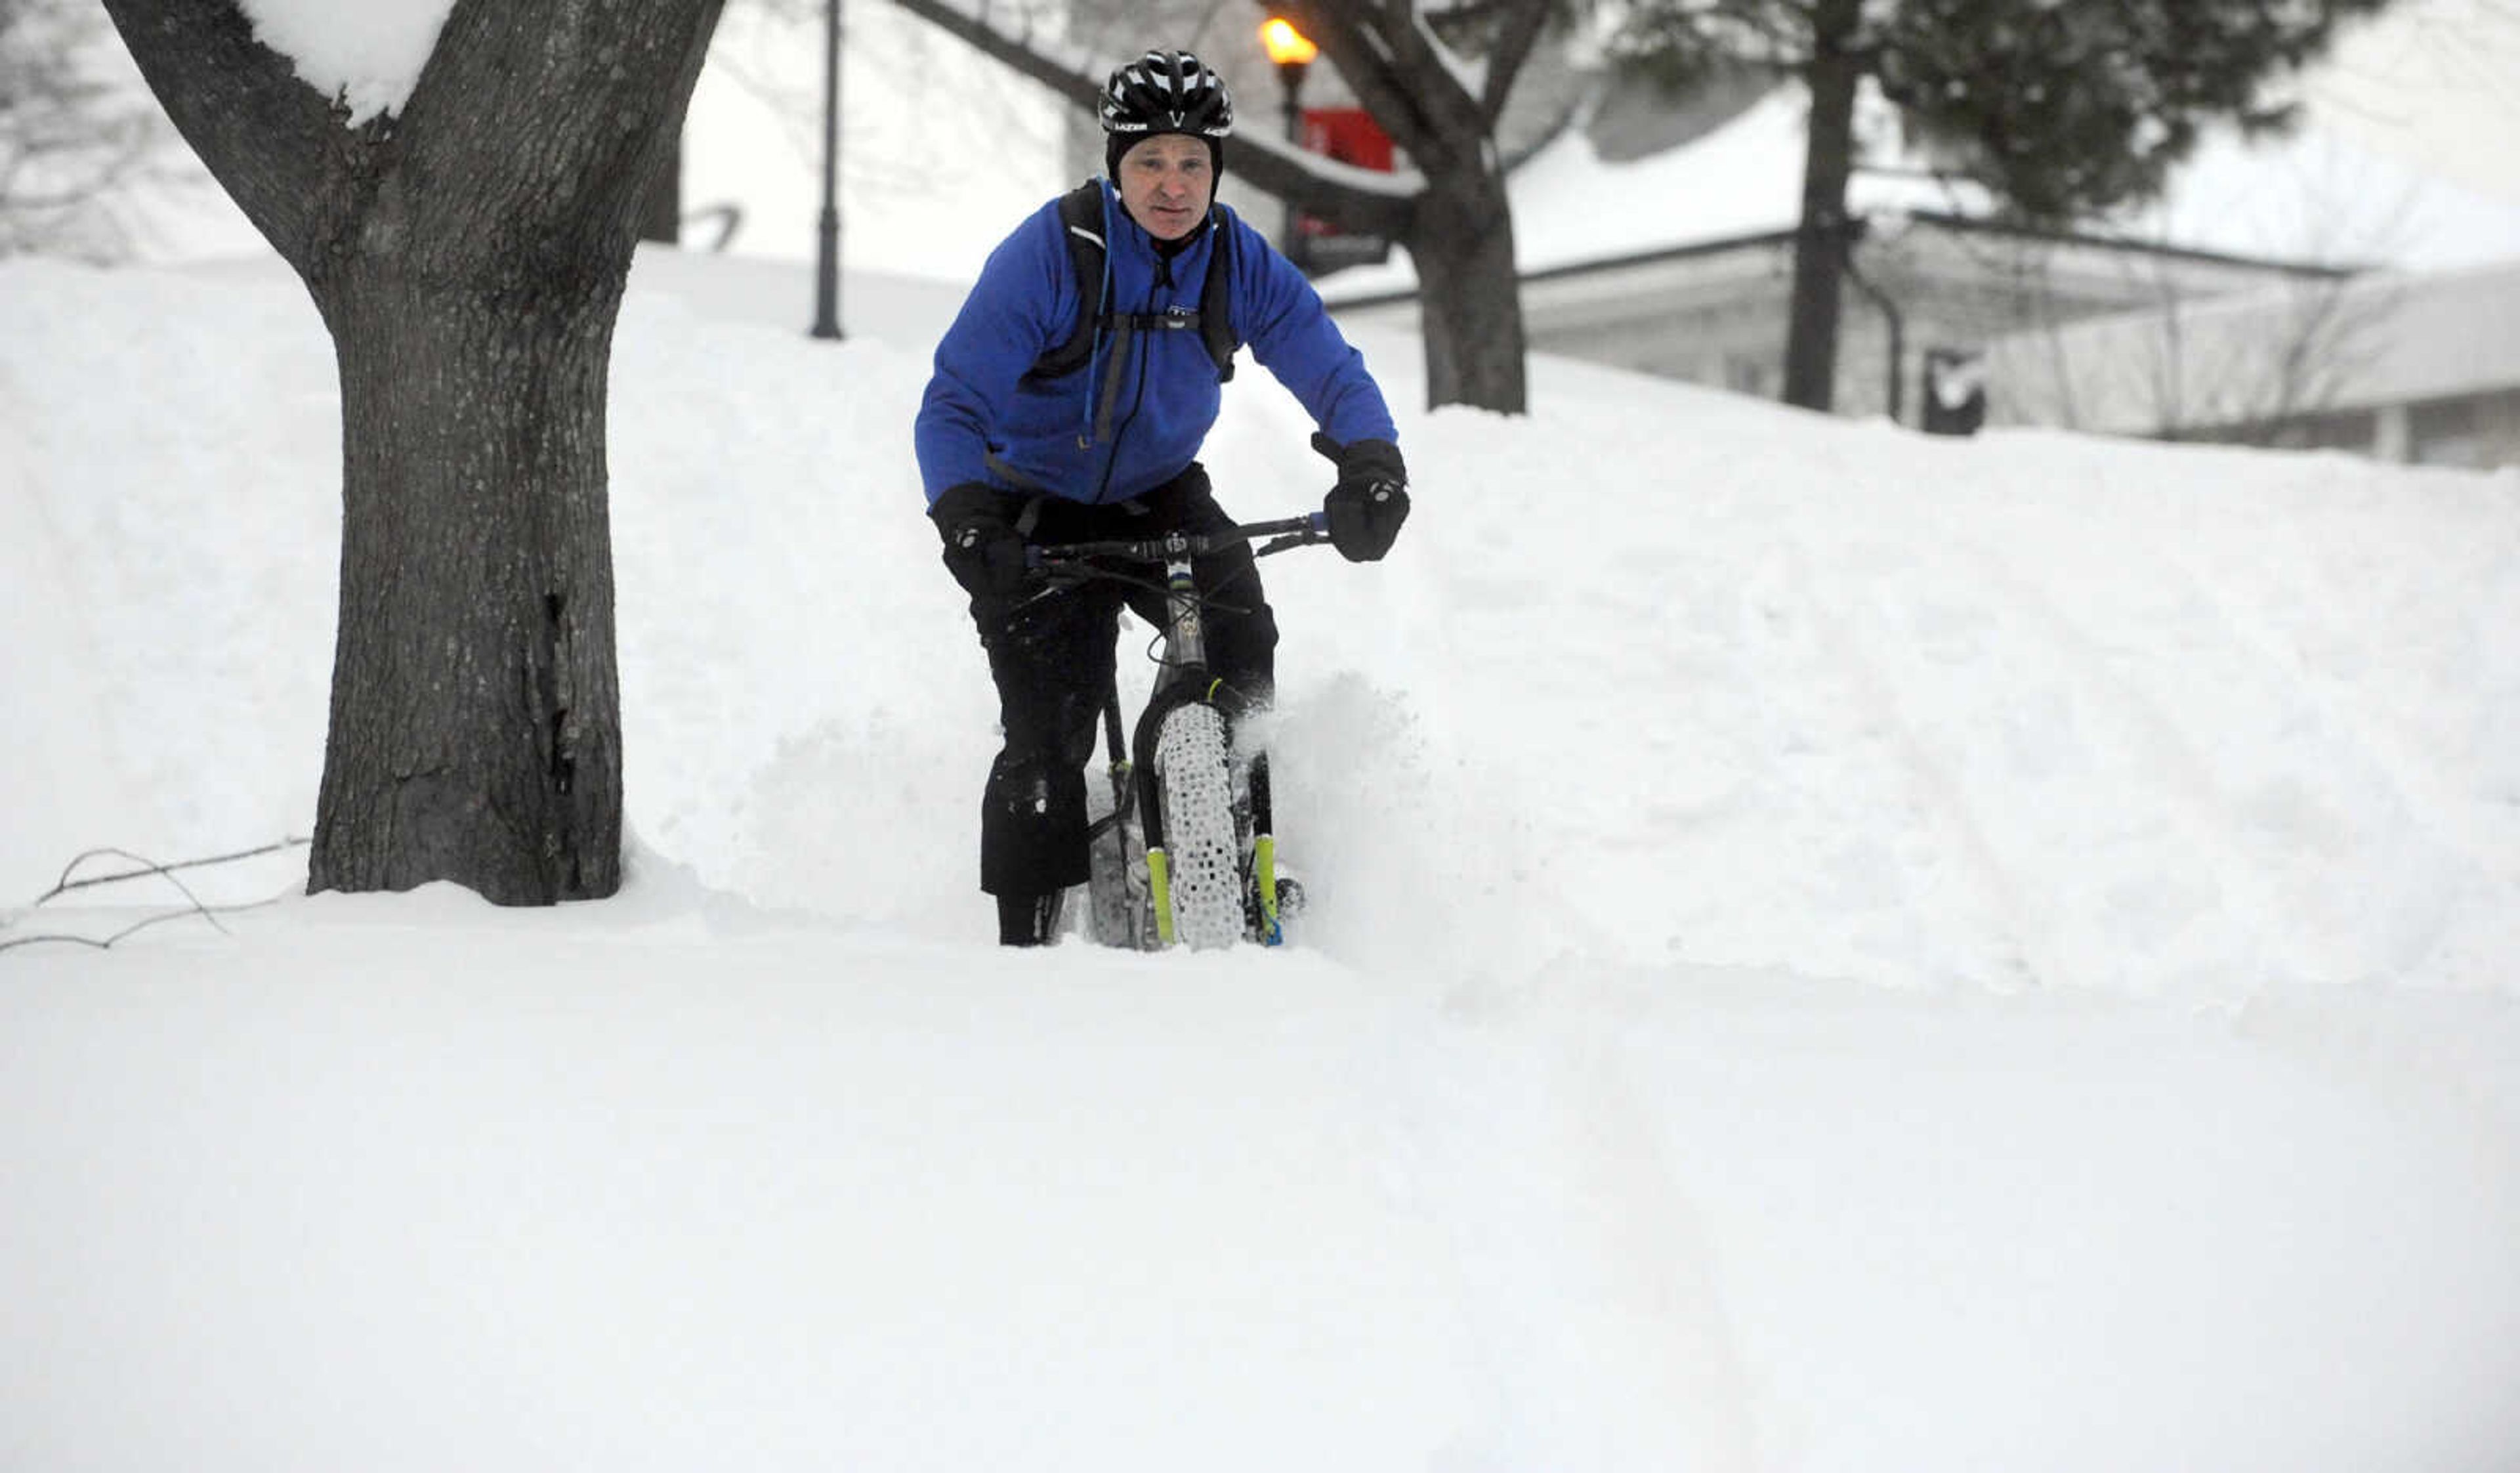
(1525, 1124)
(1197, 790)
(2192, 799)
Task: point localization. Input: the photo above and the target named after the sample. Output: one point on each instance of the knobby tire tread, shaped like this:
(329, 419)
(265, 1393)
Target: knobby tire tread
(1197, 787)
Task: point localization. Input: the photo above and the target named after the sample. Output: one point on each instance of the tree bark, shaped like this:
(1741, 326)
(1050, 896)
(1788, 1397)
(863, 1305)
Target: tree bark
(1821, 238)
(1461, 234)
(661, 209)
(1470, 295)
(468, 258)
(475, 731)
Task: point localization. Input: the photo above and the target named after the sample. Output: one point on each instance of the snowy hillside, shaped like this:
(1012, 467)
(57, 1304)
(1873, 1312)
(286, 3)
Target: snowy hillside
(1833, 950)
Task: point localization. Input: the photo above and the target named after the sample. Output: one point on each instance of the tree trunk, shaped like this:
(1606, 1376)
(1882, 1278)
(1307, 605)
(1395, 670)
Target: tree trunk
(1460, 229)
(1821, 238)
(468, 258)
(475, 728)
(661, 212)
(1468, 295)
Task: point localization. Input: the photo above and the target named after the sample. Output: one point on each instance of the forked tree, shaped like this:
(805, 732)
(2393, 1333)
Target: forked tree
(467, 254)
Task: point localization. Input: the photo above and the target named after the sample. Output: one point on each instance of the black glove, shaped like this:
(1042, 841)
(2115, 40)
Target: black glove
(1370, 500)
(982, 548)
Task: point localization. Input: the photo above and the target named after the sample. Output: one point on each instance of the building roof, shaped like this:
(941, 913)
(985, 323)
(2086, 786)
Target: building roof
(2310, 197)
(2388, 338)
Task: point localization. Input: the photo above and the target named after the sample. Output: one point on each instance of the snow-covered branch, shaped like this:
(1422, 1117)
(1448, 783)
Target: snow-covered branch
(268, 138)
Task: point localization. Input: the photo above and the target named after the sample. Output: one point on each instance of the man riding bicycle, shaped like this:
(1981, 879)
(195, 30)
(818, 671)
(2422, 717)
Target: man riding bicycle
(1019, 444)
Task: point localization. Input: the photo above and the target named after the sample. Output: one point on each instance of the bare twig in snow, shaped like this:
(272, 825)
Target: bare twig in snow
(147, 867)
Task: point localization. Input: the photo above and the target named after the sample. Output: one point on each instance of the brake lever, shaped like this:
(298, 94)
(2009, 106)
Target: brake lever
(1317, 529)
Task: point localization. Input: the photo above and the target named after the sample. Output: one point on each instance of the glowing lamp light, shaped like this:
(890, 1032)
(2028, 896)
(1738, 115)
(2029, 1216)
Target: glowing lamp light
(1286, 46)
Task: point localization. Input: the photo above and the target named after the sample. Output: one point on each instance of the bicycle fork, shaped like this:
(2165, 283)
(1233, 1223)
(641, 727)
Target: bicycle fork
(1264, 858)
(1186, 654)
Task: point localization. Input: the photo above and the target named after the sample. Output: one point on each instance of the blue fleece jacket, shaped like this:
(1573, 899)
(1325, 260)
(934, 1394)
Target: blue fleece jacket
(983, 421)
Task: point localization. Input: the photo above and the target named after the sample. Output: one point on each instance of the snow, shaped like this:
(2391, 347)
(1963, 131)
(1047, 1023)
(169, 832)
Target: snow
(369, 54)
(1833, 950)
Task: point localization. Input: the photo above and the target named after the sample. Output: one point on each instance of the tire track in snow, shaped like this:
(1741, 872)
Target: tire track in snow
(2165, 748)
(2459, 826)
(1597, 1337)
(2021, 955)
(1987, 671)
(2273, 812)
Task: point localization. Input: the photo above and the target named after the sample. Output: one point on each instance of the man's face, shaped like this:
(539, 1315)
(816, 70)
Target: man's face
(1165, 184)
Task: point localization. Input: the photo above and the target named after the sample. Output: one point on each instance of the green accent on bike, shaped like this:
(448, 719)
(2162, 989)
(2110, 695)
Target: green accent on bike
(1264, 871)
(1213, 686)
(1159, 874)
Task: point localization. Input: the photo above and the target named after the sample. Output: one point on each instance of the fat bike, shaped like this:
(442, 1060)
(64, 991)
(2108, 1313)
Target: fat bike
(1182, 849)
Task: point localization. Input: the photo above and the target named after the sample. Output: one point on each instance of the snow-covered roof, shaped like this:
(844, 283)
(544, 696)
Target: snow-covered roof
(2310, 197)
(2385, 338)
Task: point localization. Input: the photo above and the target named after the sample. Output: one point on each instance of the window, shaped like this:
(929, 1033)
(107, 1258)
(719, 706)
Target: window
(2447, 433)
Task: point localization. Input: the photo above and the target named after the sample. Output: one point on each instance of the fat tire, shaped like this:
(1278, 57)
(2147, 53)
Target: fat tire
(1196, 786)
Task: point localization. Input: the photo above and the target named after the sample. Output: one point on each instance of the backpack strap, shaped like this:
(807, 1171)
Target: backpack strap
(1080, 220)
(1216, 296)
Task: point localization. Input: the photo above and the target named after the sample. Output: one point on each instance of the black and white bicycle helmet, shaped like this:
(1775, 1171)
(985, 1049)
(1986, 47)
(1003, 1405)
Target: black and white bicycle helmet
(1165, 92)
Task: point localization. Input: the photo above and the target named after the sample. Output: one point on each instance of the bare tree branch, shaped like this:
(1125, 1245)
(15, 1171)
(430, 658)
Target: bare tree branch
(1064, 70)
(65, 884)
(1362, 49)
(209, 913)
(1265, 162)
(1520, 31)
(280, 189)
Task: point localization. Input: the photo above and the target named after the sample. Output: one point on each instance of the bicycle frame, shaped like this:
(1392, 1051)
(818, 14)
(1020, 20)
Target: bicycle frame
(1185, 633)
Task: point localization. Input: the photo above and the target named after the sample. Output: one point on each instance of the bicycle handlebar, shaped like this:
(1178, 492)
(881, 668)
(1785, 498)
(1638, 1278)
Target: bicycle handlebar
(1289, 531)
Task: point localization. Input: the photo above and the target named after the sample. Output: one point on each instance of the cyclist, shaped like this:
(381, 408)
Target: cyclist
(1012, 453)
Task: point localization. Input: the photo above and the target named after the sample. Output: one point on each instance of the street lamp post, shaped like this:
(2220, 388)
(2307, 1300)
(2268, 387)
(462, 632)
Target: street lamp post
(827, 264)
(1292, 52)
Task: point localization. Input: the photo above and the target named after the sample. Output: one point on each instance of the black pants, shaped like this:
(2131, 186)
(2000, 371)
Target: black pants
(1051, 658)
